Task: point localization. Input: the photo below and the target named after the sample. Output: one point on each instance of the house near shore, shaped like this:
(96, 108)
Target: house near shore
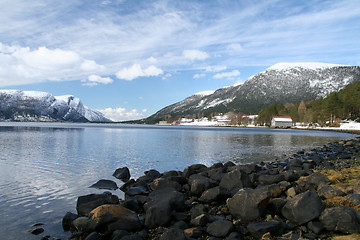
(281, 122)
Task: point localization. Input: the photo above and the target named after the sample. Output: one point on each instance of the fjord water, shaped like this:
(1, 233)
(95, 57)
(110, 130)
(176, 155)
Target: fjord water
(44, 167)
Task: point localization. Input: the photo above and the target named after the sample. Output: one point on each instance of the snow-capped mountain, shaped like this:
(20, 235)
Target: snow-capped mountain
(19, 105)
(281, 83)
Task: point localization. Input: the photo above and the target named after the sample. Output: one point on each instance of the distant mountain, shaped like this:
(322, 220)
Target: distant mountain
(281, 83)
(16, 105)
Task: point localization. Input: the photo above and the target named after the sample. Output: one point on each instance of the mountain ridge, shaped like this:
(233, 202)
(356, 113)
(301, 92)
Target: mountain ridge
(17, 105)
(280, 83)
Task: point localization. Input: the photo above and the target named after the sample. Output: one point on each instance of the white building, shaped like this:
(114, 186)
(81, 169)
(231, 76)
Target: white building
(281, 122)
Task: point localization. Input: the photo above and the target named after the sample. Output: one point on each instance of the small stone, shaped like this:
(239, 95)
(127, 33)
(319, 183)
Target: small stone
(122, 173)
(36, 231)
(220, 228)
(200, 220)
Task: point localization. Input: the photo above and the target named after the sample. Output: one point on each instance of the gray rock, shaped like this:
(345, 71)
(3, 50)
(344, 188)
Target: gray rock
(67, 220)
(193, 169)
(137, 190)
(127, 185)
(315, 226)
(122, 173)
(118, 234)
(248, 204)
(257, 229)
(158, 209)
(314, 181)
(161, 183)
(198, 184)
(173, 234)
(326, 191)
(105, 184)
(303, 208)
(235, 180)
(84, 224)
(213, 194)
(85, 204)
(94, 236)
(200, 220)
(271, 179)
(340, 219)
(354, 198)
(220, 228)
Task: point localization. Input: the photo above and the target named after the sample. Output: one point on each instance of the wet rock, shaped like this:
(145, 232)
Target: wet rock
(216, 174)
(257, 229)
(36, 231)
(117, 217)
(248, 204)
(67, 220)
(122, 173)
(133, 204)
(105, 184)
(152, 174)
(173, 234)
(291, 176)
(137, 190)
(235, 180)
(340, 219)
(220, 228)
(85, 204)
(84, 224)
(193, 169)
(303, 207)
(125, 187)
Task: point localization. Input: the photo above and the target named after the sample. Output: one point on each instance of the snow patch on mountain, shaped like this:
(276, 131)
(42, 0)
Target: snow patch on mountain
(204, 93)
(307, 65)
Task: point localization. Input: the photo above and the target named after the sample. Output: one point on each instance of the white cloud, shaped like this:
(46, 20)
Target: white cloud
(122, 114)
(235, 47)
(22, 65)
(215, 68)
(199, 75)
(229, 75)
(194, 54)
(94, 80)
(136, 71)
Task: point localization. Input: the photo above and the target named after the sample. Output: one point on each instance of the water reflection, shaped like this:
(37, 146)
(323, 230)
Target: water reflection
(44, 167)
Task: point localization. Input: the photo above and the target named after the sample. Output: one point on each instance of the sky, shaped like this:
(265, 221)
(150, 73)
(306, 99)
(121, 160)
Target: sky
(130, 58)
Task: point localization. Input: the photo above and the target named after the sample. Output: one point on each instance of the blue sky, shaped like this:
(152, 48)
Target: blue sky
(130, 58)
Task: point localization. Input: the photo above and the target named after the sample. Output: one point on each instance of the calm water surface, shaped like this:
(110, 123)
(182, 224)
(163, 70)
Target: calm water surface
(44, 167)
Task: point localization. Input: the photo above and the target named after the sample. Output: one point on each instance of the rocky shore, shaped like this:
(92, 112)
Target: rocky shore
(295, 198)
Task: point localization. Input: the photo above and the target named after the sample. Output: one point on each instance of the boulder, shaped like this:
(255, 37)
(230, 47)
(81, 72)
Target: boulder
(354, 199)
(173, 234)
(158, 209)
(275, 205)
(326, 191)
(303, 208)
(161, 183)
(235, 180)
(271, 179)
(213, 194)
(85, 204)
(105, 184)
(220, 228)
(216, 174)
(248, 204)
(200, 220)
(257, 229)
(94, 236)
(340, 219)
(118, 234)
(127, 185)
(84, 224)
(198, 184)
(314, 181)
(122, 173)
(136, 190)
(193, 169)
(116, 217)
(67, 220)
